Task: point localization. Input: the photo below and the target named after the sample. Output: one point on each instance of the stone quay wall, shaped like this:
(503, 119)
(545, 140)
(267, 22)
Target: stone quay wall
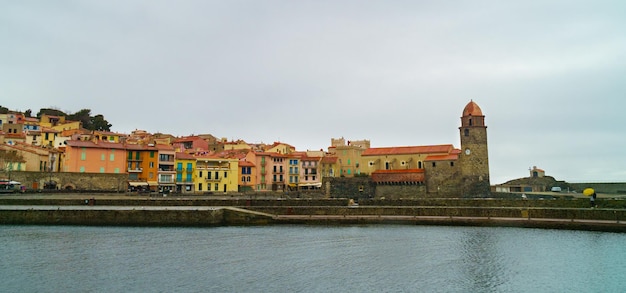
(73, 181)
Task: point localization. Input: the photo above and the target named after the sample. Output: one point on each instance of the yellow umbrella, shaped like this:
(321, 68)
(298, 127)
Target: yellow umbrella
(588, 191)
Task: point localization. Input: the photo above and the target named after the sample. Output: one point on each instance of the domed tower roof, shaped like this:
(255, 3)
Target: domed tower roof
(472, 109)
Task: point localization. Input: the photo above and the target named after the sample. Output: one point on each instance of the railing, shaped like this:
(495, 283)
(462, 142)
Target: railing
(135, 170)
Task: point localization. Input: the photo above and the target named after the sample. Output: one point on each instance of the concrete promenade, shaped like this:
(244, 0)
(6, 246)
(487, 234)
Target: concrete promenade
(76, 209)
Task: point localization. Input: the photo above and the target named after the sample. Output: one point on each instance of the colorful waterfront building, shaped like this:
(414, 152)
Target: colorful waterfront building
(185, 172)
(262, 162)
(216, 174)
(166, 172)
(93, 157)
(309, 173)
(142, 166)
(294, 170)
(247, 176)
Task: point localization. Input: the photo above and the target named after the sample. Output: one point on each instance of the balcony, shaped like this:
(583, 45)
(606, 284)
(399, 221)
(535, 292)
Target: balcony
(213, 179)
(135, 170)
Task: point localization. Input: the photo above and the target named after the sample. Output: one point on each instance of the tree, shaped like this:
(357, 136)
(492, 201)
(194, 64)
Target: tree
(28, 113)
(99, 123)
(8, 160)
(50, 111)
(83, 116)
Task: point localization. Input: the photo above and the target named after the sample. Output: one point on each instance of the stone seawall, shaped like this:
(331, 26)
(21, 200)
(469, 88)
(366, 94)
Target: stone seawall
(125, 216)
(133, 211)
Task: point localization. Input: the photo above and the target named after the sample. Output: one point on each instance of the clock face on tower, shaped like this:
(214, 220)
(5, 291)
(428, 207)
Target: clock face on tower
(467, 151)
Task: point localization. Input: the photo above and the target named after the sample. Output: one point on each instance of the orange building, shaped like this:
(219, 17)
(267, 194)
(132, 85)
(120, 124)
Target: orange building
(94, 157)
(142, 166)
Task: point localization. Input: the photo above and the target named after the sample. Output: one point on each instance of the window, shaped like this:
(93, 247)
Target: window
(101, 169)
(151, 164)
(225, 174)
(348, 161)
(434, 164)
(208, 175)
(199, 186)
(313, 178)
(179, 177)
(151, 154)
(116, 170)
(466, 132)
(217, 187)
(102, 156)
(112, 156)
(83, 155)
(419, 165)
(130, 155)
(179, 167)
(82, 169)
(451, 164)
(371, 163)
(188, 178)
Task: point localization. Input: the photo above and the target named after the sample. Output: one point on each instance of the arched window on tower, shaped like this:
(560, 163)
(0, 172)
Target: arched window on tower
(466, 132)
(470, 122)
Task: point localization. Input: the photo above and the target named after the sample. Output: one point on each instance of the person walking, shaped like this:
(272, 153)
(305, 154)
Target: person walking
(592, 200)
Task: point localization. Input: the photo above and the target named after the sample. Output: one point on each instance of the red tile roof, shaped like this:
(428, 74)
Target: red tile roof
(329, 160)
(246, 164)
(452, 157)
(407, 150)
(99, 145)
(164, 147)
(184, 156)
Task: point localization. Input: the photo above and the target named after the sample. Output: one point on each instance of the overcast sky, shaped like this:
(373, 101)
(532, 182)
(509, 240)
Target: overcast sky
(550, 76)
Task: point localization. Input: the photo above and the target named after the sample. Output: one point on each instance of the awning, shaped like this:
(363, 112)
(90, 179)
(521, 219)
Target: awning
(138, 183)
(153, 183)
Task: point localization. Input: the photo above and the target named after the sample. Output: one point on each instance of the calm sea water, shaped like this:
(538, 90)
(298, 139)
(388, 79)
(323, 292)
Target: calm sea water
(309, 259)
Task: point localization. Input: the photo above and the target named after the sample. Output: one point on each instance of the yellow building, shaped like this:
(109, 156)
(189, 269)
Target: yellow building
(67, 125)
(48, 136)
(50, 120)
(280, 148)
(185, 173)
(108, 136)
(215, 174)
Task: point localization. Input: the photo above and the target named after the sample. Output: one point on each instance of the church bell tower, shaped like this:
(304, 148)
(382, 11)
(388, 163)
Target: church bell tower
(474, 158)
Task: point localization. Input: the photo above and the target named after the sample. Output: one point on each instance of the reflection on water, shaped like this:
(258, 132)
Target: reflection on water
(309, 259)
